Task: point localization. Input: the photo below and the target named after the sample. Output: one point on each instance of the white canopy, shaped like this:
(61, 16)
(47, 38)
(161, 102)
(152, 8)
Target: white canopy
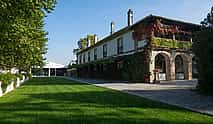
(53, 65)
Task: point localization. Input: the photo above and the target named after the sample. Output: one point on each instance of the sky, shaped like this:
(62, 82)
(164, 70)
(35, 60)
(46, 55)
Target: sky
(74, 19)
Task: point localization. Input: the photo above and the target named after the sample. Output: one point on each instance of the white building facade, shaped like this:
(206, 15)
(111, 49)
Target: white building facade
(153, 35)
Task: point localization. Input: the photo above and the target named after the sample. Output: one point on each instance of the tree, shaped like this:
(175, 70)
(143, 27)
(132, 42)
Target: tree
(22, 37)
(203, 49)
(85, 42)
(208, 21)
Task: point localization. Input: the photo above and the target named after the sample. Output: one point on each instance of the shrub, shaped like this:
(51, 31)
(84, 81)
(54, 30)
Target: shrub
(29, 75)
(6, 79)
(20, 76)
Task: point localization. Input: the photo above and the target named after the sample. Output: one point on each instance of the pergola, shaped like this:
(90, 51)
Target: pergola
(52, 65)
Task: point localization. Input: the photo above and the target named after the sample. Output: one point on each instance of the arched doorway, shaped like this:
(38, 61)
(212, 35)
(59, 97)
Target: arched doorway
(161, 67)
(179, 68)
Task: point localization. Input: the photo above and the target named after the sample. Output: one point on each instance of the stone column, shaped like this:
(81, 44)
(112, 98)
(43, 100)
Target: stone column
(172, 65)
(172, 68)
(188, 69)
(152, 67)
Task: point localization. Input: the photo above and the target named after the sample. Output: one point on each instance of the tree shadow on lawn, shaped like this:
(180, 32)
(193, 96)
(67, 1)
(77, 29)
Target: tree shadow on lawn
(106, 98)
(65, 113)
(94, 107)
(102, 106)
(78, 119)
(43, 113)
(102, 98)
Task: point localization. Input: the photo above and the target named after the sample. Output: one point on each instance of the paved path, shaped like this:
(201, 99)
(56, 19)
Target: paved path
(179, 93)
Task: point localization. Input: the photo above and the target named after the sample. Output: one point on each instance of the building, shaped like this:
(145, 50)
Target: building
(50, 69)
(154, 48)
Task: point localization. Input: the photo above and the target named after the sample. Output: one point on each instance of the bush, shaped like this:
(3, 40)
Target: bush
(29, 75)
(20, 76)
(6, 79)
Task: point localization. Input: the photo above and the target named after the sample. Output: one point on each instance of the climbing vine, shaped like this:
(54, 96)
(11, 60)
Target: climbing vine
(136, 67)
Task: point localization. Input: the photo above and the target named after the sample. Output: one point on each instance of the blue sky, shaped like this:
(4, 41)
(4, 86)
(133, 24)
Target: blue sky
(73, 19)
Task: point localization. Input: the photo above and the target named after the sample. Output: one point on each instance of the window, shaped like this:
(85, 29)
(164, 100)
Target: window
(88, 57)
(105, 50)
(95, 54)
(84, 58)
(141, 44)
(120, 45)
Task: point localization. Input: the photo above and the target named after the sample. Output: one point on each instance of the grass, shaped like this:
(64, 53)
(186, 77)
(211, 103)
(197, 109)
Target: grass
(60, 101)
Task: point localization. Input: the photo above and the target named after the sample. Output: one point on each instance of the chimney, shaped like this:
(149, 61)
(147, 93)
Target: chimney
(130, 17)
(96, 38)
(112, 27)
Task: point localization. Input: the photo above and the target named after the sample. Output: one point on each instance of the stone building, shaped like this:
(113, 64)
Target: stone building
(154, 48)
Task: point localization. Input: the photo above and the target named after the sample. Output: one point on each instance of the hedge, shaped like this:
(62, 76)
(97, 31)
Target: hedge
(169, 43)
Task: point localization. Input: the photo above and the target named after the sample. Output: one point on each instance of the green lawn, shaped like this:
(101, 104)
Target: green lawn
(60, 101)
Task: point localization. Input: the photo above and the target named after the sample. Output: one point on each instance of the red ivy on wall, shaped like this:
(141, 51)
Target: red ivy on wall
(143, 30)
(169, 29)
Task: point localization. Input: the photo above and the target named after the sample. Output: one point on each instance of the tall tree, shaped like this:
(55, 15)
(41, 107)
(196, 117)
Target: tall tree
(22, 37)
(203, 49)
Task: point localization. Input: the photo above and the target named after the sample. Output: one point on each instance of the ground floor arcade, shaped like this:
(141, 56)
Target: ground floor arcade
(171, 65)
(155, 66)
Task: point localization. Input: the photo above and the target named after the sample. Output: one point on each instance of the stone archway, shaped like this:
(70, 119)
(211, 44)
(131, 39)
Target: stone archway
(179, 68)
(183, 66)
(162, 64)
